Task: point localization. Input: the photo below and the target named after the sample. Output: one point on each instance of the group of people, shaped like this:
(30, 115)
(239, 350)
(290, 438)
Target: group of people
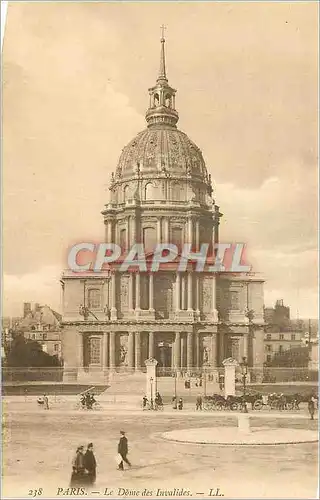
(44, 402)
(87, 400)
(157, 403)
(177, 404)
(84, 467)
(84, 464)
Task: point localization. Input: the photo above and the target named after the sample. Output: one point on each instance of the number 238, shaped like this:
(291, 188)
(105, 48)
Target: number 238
(35, 493)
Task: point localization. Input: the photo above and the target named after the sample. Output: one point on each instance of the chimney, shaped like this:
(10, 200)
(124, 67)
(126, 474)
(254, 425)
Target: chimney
(26, 309)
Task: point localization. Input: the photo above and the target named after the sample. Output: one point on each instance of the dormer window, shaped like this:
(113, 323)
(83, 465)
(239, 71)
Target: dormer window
(156, 100)
(168, 101)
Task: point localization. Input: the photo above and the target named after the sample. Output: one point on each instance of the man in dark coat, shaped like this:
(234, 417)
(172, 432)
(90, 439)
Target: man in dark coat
(90, 464)
(123, 450)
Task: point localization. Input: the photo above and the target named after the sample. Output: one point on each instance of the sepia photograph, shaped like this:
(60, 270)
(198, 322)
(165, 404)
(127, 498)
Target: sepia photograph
(159, 249)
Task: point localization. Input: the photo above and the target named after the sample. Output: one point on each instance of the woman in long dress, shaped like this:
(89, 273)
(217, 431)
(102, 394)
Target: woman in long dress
(78, 469)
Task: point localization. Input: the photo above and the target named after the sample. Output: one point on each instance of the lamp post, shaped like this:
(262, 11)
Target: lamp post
(175, 384)
(205, 382)
(151, 392)
(244, 371)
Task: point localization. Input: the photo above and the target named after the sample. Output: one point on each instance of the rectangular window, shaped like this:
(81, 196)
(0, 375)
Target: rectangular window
(268, 348)
(45, 336)
(268, 336)
(281, 336)
(268, 358)
(95, 351)
(280, 348)
(56, 347)
(293, 336)
(94, 298)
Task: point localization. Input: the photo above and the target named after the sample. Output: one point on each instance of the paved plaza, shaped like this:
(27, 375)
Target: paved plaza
(39, 447)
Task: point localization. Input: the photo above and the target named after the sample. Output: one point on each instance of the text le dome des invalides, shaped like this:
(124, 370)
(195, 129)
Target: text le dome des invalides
(188, 321)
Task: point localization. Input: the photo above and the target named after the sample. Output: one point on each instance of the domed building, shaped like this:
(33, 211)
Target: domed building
(161, 192)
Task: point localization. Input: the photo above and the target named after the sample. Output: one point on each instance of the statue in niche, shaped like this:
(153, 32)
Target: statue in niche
(123, 355)
(205, 355)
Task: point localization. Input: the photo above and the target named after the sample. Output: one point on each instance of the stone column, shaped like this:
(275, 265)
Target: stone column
(189, 350)
(190, 301)
(159, 239)
(138, 351)
(177, 350)
(133, 230)
(70, 343)
(178, 291)
(166, 230)
(197, 340)
(131, 292)
(197, 235)
(113, 296)
(130, 350)
(221, 347)
(138, 291)
(128, 234)
(183, 292)
(151, 345)
(112, 351)
(190, 231)
(230, 378)
(214, 313)
(80, 351)
(182, 357)
(151, 293)
(105, 350)
(197, 294)
(214, 350)
(106, 231)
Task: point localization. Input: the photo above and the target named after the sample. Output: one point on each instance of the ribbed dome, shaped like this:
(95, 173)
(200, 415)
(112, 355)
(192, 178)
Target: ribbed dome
(161, 148)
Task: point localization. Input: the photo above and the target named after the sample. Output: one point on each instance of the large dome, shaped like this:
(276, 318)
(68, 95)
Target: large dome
(161, 148)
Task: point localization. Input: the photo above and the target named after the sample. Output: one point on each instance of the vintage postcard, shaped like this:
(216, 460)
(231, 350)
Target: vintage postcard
(159, 233)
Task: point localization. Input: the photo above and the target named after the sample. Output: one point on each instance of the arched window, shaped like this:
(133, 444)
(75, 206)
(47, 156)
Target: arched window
(168, 101)
(149, 238)
(95, 351)
(156, 100)
(94, 298)
(148, 191)
(125, 193)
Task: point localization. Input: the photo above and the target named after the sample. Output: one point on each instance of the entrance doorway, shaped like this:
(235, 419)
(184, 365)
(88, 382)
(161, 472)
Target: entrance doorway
(164, 358)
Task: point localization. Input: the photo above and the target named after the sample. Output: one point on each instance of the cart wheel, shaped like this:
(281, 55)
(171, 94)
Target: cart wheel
(219, 406)
(234, 406)
(257, 405)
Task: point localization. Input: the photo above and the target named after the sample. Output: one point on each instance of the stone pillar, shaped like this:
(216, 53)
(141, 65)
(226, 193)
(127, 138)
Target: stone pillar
(105, 350)
(197, 346)
(190, 301)
(80, 351)
(130, 350)
(166, 230)
(138, 287)
(113, 296)
(183, 292)
(197, 235)
(221, 347)
(189, 351)
(214, 350)
(131, 293)
(151, 293)
(178, 291)
(128, 234)
(177, 350)
(133, 231)
(151, 345)
(151, 381)
(229, 377)
(197, 295)
(112, 351)
(182, 357)
(190, 231)
(159, 235)
(214, 312)
(138, 351)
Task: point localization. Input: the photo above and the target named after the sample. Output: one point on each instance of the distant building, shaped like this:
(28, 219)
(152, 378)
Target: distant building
(42, 324)
(279, 342)
(277, 318)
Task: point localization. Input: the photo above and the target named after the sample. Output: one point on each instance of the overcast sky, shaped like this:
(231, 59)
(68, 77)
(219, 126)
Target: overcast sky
(75, 92)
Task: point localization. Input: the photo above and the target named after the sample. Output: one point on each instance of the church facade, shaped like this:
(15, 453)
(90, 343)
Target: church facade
(114, 321)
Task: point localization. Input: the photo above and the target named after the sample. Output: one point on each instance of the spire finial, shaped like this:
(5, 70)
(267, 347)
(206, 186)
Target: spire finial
(162, 70)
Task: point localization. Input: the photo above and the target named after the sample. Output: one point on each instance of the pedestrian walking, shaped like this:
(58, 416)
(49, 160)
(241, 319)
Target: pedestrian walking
(174, 402)
(311, 408)
(46, 402)
(199, 402)
(78, 470)
(180, 404)
(90, 464)
(123, 450)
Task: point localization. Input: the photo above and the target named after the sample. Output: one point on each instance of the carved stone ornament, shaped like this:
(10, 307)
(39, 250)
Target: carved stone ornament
(230, 362)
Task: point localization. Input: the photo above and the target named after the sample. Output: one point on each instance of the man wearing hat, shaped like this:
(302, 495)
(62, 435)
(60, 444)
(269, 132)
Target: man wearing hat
(123, 450)
(90, 464)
